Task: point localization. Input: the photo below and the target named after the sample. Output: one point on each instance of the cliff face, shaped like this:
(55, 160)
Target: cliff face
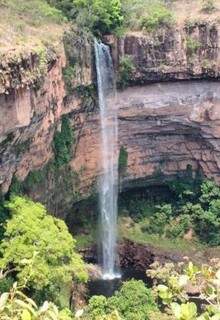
(28, 118)
(191, 52)
(166, 128)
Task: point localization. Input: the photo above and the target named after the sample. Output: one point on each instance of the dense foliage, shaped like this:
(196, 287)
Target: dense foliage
(97, 16)
(176, 286)
(158, 15)
(126, 67)
(146, 15)
(191, 214)
(208, 6)
(132, 302)
(113, 16)
(122, 160)
(38, 249)
(15, 305)
(63, 141)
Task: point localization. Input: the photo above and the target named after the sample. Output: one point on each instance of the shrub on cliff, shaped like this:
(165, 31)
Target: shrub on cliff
(208, 6)
(192, 45)
(158, 15)
(63, 141)
(122, 160)
(126, 68)
(38, 249)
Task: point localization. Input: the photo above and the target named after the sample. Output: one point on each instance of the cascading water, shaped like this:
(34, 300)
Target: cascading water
(109, 140)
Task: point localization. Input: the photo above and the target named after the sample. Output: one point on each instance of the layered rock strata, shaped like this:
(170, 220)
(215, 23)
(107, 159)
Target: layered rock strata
(166, 128)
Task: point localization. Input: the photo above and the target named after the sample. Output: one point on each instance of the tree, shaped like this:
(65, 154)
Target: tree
(133, 301)
(98, 15)
(39, 248)
(209, 191)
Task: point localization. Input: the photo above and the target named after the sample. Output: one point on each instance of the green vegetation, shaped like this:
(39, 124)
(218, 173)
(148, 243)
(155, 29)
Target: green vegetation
(193, 216)
(158, 15)
(15, 305)
(192, 45)
(36, 11)
(135, 232)
(133, 301)
(52, 179)
(4, 214)
(126, 68)
(101, 17)
(39, 250)
(63, 142)
(68, 76)
(171, 288)
(123, 160)
(104, 16)
(30, 25)
(147, 15)
(208, 6)
(95, 15)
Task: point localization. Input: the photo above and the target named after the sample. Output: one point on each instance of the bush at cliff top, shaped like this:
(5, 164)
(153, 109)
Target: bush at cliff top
(98, 16)
(146, 14)
(158, 15)
(39, 249)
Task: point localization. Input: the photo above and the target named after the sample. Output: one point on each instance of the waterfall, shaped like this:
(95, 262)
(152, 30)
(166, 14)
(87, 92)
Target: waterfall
(109, 159)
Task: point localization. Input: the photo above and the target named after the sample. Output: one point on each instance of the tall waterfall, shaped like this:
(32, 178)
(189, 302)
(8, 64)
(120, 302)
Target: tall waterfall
(109, 140)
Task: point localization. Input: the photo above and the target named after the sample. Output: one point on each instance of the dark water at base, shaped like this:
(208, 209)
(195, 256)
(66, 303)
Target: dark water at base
(108, 287)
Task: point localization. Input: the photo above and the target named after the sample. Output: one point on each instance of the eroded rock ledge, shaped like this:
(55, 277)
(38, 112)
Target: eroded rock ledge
(165, 128)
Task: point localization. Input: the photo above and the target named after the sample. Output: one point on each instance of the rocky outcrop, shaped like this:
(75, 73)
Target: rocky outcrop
(33, 99)
(170, 54)
(27, 124)
(135, 255)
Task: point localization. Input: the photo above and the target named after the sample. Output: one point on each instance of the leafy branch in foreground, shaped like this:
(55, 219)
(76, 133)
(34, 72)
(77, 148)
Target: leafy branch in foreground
(33, 235)
(177, 286)
(15, 305)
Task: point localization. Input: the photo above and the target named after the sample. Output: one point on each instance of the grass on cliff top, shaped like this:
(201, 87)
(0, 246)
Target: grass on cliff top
(26, 24)
(149, 15)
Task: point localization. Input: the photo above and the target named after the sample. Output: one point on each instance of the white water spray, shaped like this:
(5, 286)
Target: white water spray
(109, 146)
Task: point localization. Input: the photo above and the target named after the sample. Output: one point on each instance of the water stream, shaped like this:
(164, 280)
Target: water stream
(109, 159)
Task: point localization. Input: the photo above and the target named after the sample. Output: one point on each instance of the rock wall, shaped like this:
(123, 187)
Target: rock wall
(28, 119)
(166, 128)
(191, 52)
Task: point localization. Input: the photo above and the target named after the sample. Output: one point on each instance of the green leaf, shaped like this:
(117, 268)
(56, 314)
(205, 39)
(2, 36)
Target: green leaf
(25, 305)
(176, 309)
(188, 311)
(26, 315)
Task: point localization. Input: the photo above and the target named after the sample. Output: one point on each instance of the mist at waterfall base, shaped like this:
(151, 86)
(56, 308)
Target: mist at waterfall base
(108, 184)
(108, 287)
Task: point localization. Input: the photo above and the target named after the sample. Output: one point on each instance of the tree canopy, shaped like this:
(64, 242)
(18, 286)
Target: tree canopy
(39, 247)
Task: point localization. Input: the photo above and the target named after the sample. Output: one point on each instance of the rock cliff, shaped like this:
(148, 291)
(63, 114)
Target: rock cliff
(166, 128)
